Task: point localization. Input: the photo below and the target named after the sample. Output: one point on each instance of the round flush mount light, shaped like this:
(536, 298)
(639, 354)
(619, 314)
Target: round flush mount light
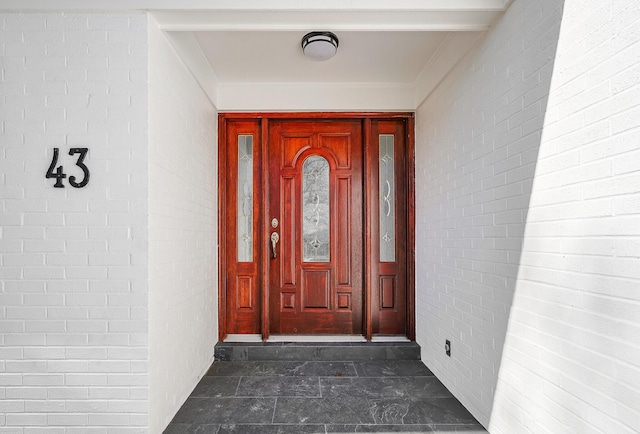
(320, 45)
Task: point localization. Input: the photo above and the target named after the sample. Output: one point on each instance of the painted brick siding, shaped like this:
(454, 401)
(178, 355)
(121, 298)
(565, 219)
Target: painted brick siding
(73, 262)
(477, 139)
(572, 356)
(528, 242)
(182, 230)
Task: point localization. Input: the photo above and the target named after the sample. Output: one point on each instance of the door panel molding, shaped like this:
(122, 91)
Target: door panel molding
(317, 215)
(385, 297)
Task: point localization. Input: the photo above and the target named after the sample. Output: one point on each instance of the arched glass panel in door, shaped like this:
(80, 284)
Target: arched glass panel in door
(315, 209)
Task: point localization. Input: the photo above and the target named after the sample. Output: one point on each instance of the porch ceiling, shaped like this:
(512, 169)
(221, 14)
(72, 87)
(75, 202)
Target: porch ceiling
(246, 54)
(391, 54)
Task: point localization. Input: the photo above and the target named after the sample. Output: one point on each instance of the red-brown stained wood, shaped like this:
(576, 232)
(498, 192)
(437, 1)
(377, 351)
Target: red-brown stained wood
(389, 279)
(328, 295)
(242, 280)
(353, 293)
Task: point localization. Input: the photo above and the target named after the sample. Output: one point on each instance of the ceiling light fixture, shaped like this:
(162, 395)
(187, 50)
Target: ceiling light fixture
(319, 45)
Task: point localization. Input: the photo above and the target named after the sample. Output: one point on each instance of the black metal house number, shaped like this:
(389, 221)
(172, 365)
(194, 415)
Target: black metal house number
(58, 174)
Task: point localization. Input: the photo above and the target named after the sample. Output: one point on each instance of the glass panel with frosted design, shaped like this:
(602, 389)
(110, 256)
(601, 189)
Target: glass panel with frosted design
(245, 199)
(315, 211)
(387, 199)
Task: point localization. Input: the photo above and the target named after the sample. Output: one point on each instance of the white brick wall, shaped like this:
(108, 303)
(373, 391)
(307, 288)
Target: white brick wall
(535, 278)
(575, 322)
(476, 146)
(73, 262)
(182, 231)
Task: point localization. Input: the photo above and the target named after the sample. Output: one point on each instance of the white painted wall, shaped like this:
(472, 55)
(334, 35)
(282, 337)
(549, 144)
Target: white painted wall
(73, 262)
(572, 356)
(183, 297)
(477, 139)
(528, 238)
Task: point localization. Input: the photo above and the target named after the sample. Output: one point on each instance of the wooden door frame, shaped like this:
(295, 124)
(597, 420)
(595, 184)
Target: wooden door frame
(366, 118)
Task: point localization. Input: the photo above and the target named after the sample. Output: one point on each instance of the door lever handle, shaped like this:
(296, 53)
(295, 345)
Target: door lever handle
(274, 240)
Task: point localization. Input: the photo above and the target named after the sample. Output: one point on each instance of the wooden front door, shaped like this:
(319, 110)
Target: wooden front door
(315, 206)
(316, 224)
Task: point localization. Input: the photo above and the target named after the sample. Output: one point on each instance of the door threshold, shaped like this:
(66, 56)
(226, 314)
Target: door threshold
(390, 338)
(316, 338)
(241, 338)
(254, 338)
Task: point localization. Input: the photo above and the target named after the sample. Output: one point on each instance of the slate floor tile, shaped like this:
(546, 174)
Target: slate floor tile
(245, 368)
(392, 368)
(322, 410)
(204, 429)
(222, 410)
(212, 387)
(279, 386)
(272, 429)
(325, 369)
(420, 411)
(379, 428)
(283, 353)
(278, 368)
(465, 429)
(177, 428)
(370, 387)
(188, 428)
(310, 397)
(425, 387)
(399, 352)
(353, 353)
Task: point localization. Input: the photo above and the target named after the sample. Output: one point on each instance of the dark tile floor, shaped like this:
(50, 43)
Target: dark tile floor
(269, 397)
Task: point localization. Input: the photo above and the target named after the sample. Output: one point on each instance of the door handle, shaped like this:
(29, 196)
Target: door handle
(274, 240)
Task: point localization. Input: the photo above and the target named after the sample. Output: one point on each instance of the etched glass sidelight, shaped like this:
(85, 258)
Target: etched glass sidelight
(387, 199)
(245, 198)
(315, 209)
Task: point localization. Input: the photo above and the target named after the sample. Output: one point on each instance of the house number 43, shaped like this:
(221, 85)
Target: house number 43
(58, 174)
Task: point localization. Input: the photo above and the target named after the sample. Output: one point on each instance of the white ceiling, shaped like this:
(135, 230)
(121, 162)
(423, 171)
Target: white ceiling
(246, 54)
(388, 58)
(276, 57)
